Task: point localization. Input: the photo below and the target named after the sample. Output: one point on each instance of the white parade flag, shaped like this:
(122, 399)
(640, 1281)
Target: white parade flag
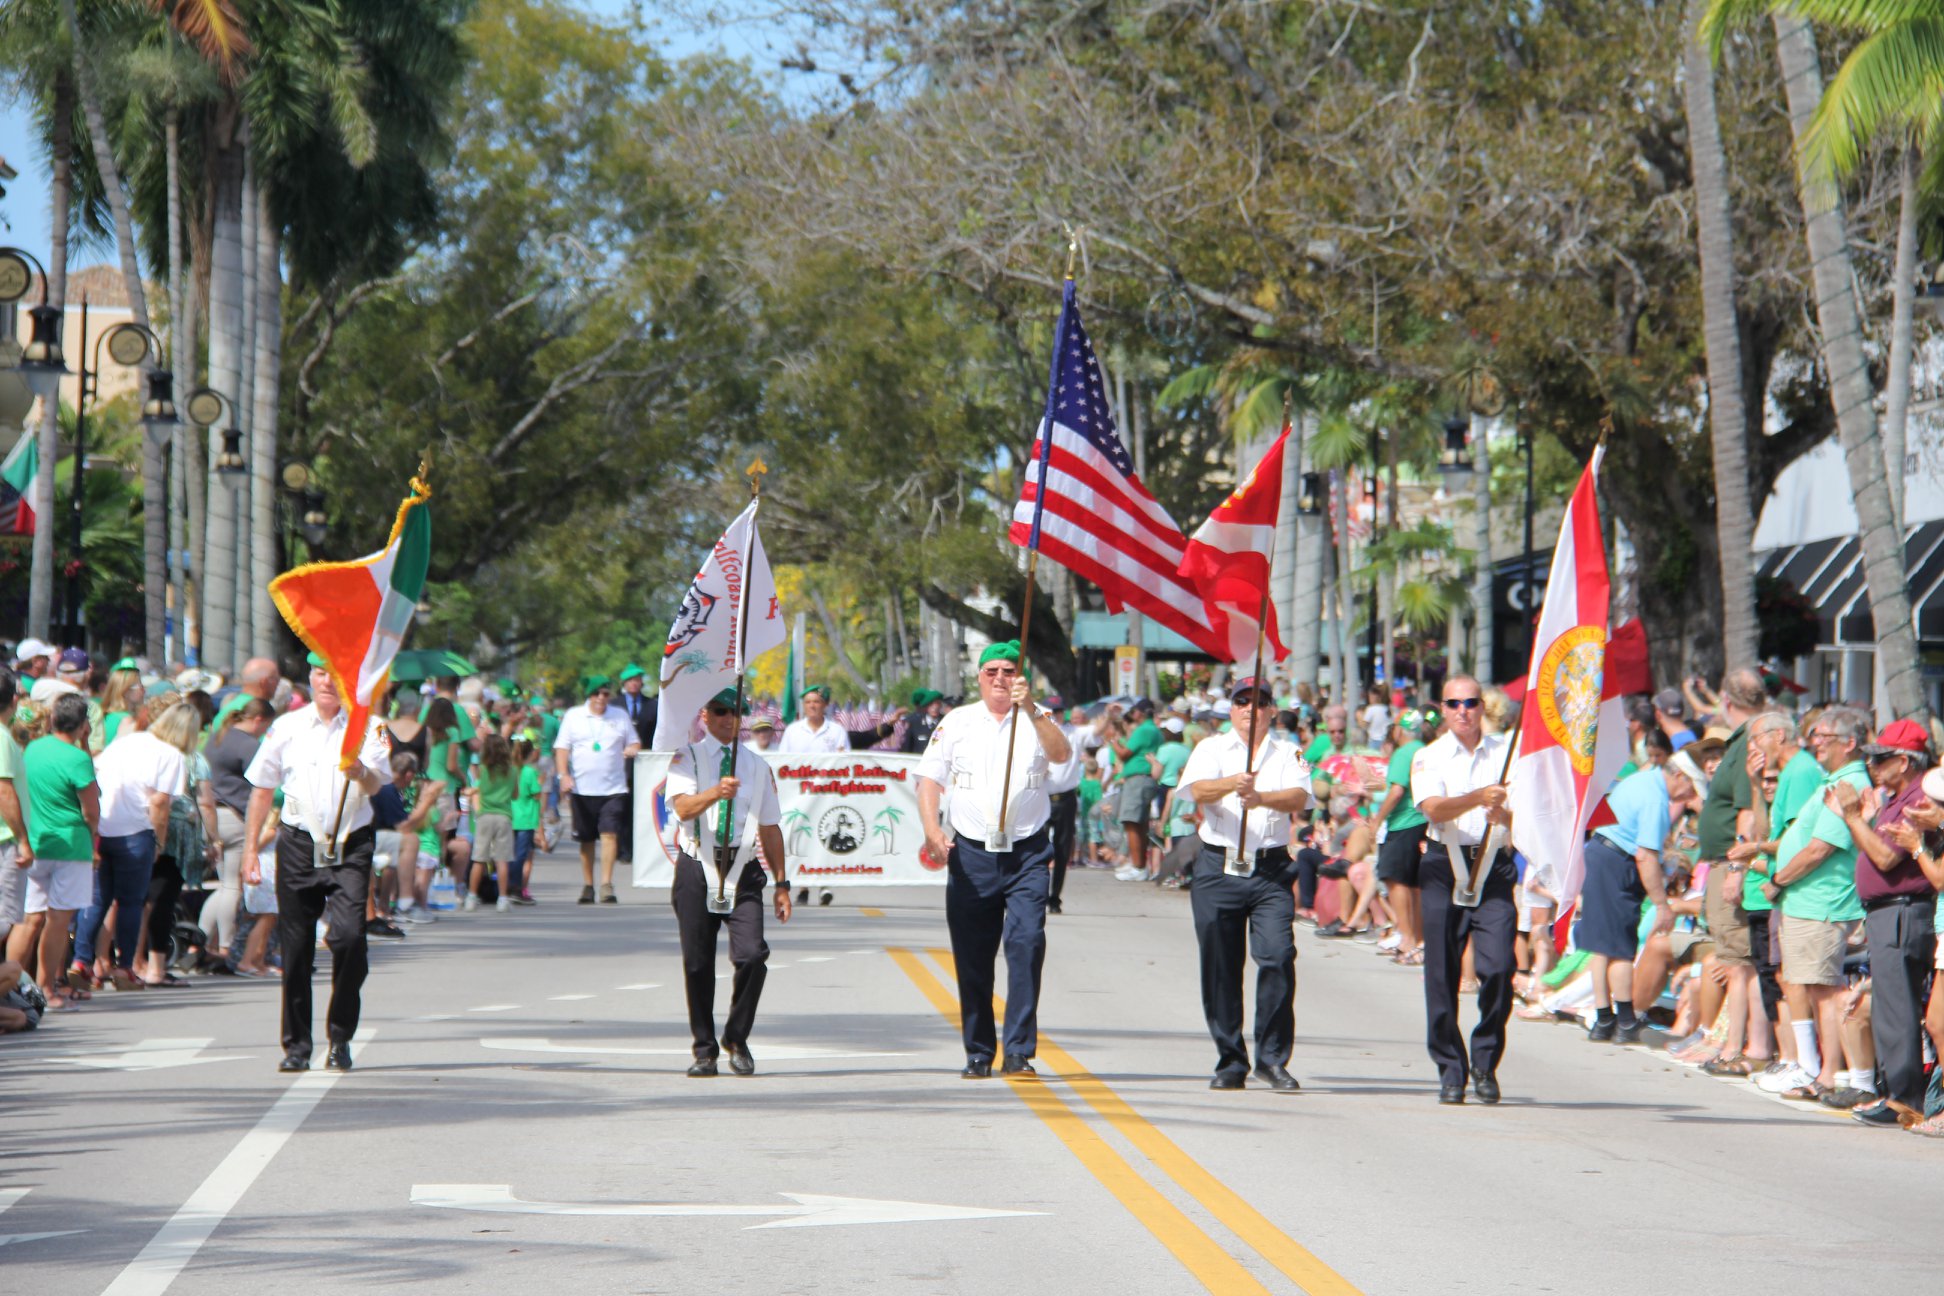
(701, 657)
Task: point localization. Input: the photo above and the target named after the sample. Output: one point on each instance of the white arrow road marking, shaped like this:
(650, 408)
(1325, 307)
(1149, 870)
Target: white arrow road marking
(810, 1211)
(155, 1055)
(494, 1008)
(815, 958)
(764, 1052)
(566, 998)
(641, 985)
(8, 1196)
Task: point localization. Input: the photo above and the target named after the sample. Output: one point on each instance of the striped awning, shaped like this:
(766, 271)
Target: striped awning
(1829, 573)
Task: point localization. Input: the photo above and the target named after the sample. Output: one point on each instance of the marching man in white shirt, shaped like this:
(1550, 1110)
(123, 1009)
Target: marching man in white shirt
(1244, 883)
(700, 783)
(997, 883)
(318, 875)
(1455, 783)
(591, 754)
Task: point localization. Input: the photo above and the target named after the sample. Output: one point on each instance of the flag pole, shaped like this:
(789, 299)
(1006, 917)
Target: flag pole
(1262, 632)
(1032, 548)
(727, 816)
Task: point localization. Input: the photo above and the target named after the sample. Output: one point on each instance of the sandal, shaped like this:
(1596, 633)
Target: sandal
(1811, 1092)
(168, 981)
(126, 980)
(79, 977)
(1411, 958)
(1734, 1066)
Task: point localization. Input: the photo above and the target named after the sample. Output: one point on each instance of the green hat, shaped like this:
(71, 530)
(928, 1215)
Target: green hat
(317, 660)
(509, 686)
(536, 700)
(592, 684)
(925, 697)
(822, 689)
(727, 698)
(126, 663)
(632, 671)
(1007, 650)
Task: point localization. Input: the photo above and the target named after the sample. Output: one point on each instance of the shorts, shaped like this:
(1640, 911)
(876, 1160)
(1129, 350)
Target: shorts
(522, 845)
(1136, 804)
(1727, 920)
(385, 849)
(596, 816)
(493, 837)
(1813, 951)
(1400, 855)
(1609, 906)
(59, 884)
(13, 888)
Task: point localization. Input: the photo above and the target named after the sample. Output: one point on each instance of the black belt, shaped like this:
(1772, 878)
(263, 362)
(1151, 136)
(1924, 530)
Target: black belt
(1884, 902)
(1068, 795)
(1267, 855)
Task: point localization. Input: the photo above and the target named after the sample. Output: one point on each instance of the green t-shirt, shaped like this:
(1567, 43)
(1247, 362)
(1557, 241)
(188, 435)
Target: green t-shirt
(10, 768)
(1321, 748)
(1172, 755)
(111, 724)
(57, 772)
(1728, 796)
(1089, 794)
(549, 730)
(1799, 781)
(1146, 738)
(437, 756)
(1181, 813)
(1405, 813)
(526, 800)
(495, 791)
(465, 731)
(1828, 892)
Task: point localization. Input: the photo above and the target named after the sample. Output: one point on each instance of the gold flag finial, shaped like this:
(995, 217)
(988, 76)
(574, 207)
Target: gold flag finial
(757, 468)
(1073, 247)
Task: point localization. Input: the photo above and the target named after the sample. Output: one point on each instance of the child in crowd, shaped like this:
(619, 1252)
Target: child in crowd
(494, 780)
(526, 819)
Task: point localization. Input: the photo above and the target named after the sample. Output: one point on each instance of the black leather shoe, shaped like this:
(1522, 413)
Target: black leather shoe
(1017, 1065)
(294, 1062)
(1227, 1080)
(1882, 1115)
(739, 1060)
(1601, 1032)
(339, 1058)
(1485, 1088)
(1451, 1095)
(703, 1069)
(977, 1069)
(1277, 1078)
(1053, 905)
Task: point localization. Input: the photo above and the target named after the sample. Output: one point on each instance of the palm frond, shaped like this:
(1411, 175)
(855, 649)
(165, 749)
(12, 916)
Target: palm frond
(1725, 14)
(215, 28)
(1189, 385)
(1339, 441)
(1894, 78)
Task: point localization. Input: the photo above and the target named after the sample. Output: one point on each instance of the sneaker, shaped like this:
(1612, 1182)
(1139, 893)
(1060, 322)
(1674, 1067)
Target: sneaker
(1126, 874)
(608, 896)
(471, 903)
(1792, 1076)
(1389, 944)
(587, 895)
(503, 905)
(417, 917)
(383, 930)
(1364, 936)
(524, 900)
(1932, 1128)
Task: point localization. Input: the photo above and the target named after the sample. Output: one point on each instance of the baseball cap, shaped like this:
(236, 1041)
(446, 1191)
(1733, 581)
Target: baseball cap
(195, 679)
(29, 649)
(1249, 684)
(73, 659)
(761, 723)
(1899, 738)
(1670, 702)
(1174, 724)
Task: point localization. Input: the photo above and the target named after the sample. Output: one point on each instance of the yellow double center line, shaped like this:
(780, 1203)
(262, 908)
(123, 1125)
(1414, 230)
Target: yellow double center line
(1206, 1259)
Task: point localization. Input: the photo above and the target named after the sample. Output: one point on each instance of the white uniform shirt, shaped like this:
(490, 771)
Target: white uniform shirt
(1279, 768)
(697, 767)
(595, 747)
(967, 757)
(1444, 769)
(799, 739)
(1065, 777)
(300, 755)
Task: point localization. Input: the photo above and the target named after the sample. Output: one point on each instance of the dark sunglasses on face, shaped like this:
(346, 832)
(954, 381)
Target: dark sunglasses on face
(716, 709)
(1466, 704)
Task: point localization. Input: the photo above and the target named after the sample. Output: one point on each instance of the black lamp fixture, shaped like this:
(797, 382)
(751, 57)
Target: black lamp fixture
(204, 406)
(1309, 503)
(313, 524)
(1456, 458)
(159, 411)
(41, 363)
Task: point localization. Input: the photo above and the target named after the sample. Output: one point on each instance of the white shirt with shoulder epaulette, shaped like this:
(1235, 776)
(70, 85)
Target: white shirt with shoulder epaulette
(1279, 767)
(697, 767)
(967, 757)
(300, 754)
(1445, 769)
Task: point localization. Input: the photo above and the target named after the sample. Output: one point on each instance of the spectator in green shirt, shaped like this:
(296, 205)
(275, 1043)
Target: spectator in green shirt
(495, 780)
(1815, 887)
(1398, 855)
(1332, 738)
(1135, 775)
(66, 805)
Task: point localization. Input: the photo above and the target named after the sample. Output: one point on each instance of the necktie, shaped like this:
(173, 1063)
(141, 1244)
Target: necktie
(726, 812)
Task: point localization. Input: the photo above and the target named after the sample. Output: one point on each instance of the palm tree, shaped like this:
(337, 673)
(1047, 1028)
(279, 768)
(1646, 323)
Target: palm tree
(1338, 446)
(1721, 328)
(40, 590)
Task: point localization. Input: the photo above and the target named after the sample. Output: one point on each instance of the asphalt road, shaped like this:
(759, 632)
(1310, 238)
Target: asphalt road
(518, 1118)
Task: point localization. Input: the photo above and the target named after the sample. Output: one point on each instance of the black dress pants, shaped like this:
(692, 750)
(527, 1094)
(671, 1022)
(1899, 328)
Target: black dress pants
(336, 894)
(993, 900)
(1261, 910)
(1066, 816)
(748, 952)
(1902, 949)
(1491, 928)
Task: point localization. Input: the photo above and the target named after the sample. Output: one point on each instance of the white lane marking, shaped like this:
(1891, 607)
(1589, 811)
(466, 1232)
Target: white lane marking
(8, 1196)
(815, 958)
(566, 998)
(641, 985)
(778, 1052)
(154, 1055)
(810, 1211)
(777, 967)
(494, 1008)
(159, 1263)
(436, 1017)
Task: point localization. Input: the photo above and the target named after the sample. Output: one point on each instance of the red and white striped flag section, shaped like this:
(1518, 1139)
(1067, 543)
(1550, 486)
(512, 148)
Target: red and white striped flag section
(1083, 506)
(1227, 559)
(1573, 729)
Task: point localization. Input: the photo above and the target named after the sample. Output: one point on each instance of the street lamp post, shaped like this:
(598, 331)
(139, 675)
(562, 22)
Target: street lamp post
(129, 345)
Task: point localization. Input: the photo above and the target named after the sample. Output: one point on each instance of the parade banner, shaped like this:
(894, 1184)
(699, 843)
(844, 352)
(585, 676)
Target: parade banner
(848, 820)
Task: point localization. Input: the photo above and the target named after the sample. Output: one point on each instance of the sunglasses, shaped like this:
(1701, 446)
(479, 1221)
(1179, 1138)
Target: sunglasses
(1463, 704)
(717, 709)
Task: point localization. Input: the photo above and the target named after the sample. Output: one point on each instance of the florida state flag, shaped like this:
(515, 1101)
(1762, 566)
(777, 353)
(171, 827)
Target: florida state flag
(1573, 730)
(1227, 559)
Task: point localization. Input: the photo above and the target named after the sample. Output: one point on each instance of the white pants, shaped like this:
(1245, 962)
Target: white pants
(219, 911)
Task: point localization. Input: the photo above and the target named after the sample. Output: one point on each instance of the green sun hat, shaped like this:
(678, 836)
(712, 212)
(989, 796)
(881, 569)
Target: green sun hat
(632, 671)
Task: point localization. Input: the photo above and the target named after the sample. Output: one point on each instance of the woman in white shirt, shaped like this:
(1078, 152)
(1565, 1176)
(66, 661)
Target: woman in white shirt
(139, 775)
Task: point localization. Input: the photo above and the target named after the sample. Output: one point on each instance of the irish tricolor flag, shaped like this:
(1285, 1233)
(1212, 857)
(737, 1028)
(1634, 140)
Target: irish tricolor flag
(354, 614)
(17, 473)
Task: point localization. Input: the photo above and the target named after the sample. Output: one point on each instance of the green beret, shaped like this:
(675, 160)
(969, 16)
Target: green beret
(925, 697)
(1005, 651)
(823, 690)
(727, 698)
(317, 660)
(592, 684)
(632, 671)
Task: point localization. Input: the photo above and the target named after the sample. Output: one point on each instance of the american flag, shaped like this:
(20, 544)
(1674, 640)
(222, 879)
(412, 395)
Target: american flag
(1084, 507)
